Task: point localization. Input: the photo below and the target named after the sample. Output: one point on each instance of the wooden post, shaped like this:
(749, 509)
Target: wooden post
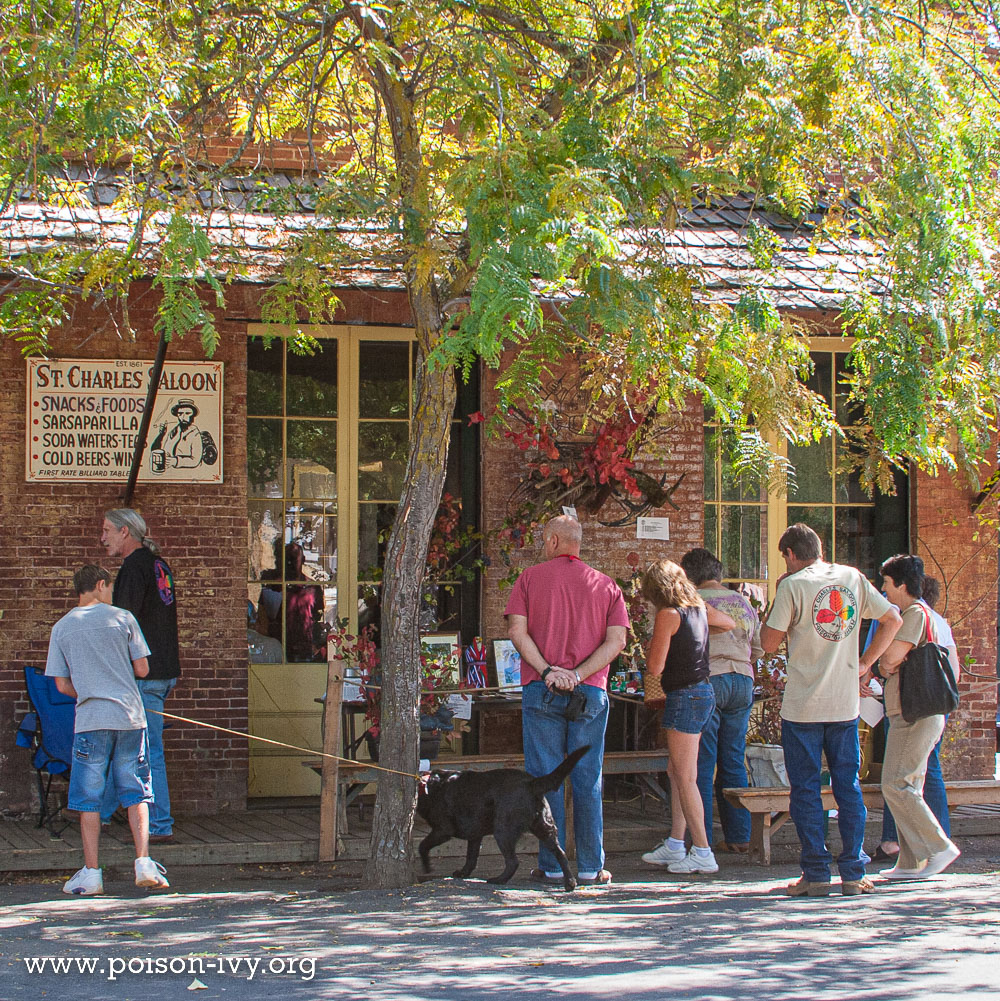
(332, 744)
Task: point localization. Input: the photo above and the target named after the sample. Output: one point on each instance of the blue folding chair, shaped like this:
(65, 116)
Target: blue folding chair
(48, 732)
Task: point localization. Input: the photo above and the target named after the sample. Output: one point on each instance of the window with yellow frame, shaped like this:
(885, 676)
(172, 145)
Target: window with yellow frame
(743, 519)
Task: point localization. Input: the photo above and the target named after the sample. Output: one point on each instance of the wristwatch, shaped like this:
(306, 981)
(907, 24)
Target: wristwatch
(546, 673)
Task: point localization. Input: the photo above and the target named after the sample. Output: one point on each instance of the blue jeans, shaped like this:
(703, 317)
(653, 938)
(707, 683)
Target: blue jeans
(804, 744)
(935, 795)
(109, 759)
(722, 754)
(154, 695)
(548, 738)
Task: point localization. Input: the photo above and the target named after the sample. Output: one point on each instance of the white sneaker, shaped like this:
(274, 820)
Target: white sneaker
(149, 873)
(897, 873)
(663, 854)
(85, 883)
(694, 863)
(940, 861)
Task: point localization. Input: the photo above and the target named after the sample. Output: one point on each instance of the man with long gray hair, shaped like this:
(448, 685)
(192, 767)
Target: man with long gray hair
(145, 586)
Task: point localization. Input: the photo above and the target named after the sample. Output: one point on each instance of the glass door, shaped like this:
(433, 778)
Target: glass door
(327, 443)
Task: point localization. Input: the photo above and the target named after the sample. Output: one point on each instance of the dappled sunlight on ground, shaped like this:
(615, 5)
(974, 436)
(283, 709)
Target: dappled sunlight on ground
(708, 939)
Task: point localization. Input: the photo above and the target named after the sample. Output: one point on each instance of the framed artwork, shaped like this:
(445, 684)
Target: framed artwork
(508, 665)
(446, 651)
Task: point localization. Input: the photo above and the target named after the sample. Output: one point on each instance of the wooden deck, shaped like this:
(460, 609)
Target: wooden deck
(291, 834)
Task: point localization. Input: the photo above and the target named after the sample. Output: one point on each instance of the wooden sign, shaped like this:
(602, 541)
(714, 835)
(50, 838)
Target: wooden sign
(83, 418)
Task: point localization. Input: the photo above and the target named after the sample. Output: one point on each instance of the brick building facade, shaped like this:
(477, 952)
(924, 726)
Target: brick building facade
(51, 528)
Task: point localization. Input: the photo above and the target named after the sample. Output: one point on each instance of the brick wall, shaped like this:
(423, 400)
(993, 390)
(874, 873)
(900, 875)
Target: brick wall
(52, 528)
(614, 551)
(964, 558)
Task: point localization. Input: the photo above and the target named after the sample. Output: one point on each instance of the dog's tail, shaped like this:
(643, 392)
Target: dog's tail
(552, 781)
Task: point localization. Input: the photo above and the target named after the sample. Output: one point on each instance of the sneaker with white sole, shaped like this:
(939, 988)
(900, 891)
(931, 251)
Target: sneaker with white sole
(663, 854)
(150, 873)
(695, 863)
(85, 883)
(897, 872)
(940, 861)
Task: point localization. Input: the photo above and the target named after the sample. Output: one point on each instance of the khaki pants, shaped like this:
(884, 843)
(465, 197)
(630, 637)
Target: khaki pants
(903, 771)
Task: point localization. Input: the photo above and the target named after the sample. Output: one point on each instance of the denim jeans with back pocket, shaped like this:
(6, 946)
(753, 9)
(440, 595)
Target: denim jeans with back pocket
(548, 738)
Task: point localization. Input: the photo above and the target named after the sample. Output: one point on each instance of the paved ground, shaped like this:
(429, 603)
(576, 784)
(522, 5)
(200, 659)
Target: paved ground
(309, 933)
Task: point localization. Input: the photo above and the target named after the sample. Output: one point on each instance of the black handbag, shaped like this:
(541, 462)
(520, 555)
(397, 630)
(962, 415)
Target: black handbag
(926, 681)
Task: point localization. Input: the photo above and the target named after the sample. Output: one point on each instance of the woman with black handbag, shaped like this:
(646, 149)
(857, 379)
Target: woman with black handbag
(924, 849)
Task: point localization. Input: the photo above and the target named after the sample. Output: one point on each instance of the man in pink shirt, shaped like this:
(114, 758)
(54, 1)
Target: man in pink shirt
(568, 622)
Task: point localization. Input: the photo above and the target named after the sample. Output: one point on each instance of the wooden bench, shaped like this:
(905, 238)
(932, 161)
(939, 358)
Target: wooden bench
(768, 806)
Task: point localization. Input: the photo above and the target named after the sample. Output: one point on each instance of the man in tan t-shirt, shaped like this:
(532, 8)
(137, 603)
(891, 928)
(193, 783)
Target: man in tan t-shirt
(819, 606)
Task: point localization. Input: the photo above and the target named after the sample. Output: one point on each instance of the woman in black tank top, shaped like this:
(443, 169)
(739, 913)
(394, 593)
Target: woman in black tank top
(678, 653)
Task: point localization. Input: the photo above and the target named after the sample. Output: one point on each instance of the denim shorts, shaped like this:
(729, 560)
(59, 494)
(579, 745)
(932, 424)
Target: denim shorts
(102, 757)
(689, 709)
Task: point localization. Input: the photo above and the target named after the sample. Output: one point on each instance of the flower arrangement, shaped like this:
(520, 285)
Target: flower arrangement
(633, 657)
(361, 657)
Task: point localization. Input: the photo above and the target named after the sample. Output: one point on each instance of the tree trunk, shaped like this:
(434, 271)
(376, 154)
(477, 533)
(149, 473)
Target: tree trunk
(405, 565)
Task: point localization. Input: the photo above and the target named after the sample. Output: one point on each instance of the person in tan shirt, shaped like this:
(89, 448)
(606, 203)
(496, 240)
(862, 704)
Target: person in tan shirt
(819, 606)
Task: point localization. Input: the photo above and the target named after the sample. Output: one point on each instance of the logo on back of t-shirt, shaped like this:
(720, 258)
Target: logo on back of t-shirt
(164, 582)
(835, 612)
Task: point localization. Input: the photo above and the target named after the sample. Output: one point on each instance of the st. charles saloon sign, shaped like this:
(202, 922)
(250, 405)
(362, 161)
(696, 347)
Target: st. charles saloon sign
(83, 418)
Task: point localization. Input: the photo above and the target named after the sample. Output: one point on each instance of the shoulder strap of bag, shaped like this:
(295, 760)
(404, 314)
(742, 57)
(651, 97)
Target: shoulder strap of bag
(927, 620)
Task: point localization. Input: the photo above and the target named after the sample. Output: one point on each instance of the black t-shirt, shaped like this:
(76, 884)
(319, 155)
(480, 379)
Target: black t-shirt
(687, 657)
(145, 586)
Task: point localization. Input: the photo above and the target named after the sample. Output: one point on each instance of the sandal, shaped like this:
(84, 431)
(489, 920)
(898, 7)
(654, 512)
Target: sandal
(883, 856)
(735, 847)
(601, 879)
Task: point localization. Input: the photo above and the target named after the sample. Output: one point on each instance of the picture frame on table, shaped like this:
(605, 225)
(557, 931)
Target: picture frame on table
(449, 647)
(508, 662)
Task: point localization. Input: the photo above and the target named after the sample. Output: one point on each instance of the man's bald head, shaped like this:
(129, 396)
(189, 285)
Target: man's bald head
(563, 536)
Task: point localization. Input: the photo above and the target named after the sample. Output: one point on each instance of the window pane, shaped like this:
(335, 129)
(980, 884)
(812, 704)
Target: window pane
(304, 623)
(312, 459)
(382, 454)
(263, 458)
(374, 523)
(738, 486)
(711, 450)
(317, 535)
(821, 381)
(711, 527)
(845, 414)
(820, 520)
(265, 531)
(813, 475)
(856, 539)
(742, 544)
(849, 489)
(384, 379)
(264, 377)
(312, 381)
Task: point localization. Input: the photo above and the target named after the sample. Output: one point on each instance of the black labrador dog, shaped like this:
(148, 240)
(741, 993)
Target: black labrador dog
(504, 802)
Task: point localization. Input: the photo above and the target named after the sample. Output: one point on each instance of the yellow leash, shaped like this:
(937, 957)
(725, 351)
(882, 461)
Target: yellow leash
(278, 743)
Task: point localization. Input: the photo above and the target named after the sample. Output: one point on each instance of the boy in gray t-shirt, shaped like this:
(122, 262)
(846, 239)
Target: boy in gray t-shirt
(96, 652)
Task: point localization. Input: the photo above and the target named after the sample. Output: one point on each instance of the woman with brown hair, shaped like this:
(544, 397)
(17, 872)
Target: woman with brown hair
(678, 654)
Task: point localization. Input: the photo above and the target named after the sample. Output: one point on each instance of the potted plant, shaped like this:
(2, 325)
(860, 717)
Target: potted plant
(765, 755)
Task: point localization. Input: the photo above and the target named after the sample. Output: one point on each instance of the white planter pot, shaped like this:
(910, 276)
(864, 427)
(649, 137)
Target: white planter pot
(766, 765)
